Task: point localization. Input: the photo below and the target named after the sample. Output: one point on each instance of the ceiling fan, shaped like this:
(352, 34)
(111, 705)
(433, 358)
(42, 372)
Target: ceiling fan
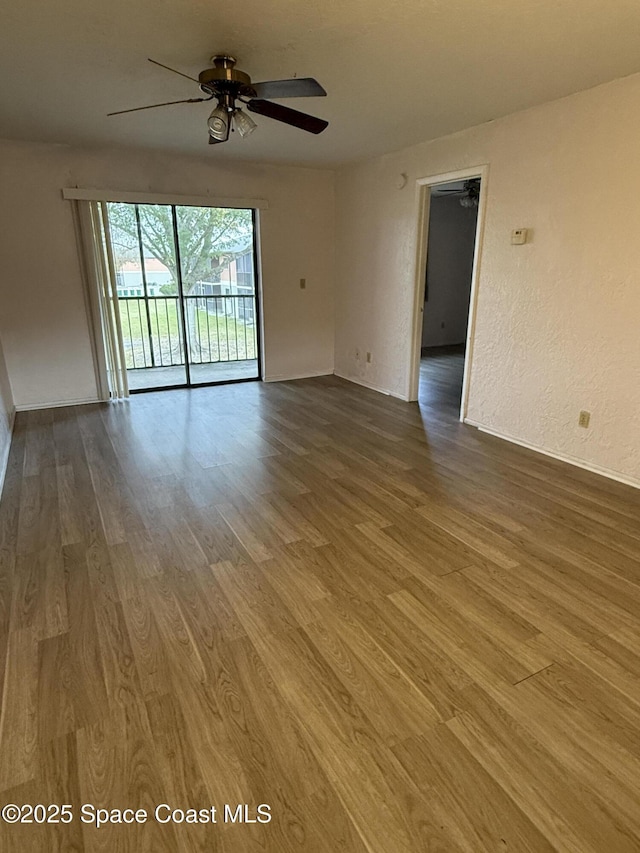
(227, 84)
(469, 194)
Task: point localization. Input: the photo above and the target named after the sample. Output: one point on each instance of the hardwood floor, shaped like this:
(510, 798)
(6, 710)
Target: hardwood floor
(399, 633)
(441, 379)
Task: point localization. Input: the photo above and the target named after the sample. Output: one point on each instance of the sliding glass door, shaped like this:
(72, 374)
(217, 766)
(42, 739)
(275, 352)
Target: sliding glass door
(186, 292)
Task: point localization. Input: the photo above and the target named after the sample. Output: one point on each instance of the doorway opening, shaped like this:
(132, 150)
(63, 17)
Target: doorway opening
(450, 227)
(453, 216)
(186, 294)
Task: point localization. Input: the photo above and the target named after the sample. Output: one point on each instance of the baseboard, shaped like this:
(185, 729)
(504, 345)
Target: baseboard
(58, 404)
(561, 457)
(4, 461)
(286, 377)
(372, 387)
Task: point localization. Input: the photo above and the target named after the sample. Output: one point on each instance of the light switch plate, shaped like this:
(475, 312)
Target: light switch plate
(518, 236)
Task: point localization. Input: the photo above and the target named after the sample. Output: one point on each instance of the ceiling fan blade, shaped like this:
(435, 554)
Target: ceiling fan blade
(296, 87)
(155, 62)
(285, 114)
(153, 106)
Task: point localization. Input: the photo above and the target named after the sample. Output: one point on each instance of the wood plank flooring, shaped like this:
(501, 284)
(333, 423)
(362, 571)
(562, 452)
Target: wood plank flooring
(400, 634)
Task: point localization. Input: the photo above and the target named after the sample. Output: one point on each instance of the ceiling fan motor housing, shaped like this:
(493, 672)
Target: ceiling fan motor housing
(224, 79)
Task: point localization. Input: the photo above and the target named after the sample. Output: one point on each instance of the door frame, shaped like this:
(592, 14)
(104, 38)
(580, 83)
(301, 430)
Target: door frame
(423, 193)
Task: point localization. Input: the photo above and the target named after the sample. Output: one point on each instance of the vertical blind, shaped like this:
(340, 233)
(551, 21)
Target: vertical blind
(100, 279)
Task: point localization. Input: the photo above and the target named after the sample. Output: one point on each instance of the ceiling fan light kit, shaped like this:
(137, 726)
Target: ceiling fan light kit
(469, 194)
(244, 124)
(219, 123)
(227, 84)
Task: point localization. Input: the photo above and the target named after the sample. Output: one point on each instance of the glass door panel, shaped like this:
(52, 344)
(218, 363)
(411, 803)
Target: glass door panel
(148, 294)
(218, 282)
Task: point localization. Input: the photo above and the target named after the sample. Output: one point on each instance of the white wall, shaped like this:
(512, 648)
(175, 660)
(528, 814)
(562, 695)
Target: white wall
(558, 319)
(452, 237)
(6, 416)
(43, 323)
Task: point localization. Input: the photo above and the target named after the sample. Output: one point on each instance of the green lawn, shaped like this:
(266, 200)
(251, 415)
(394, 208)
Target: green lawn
(213, 337)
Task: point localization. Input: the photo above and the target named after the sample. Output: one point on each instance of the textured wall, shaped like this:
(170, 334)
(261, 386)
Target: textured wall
(452, 237)
(43, 323)
(6, 415)
(558, 318)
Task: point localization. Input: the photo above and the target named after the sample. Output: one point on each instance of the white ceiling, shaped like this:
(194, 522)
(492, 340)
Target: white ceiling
(396, 71)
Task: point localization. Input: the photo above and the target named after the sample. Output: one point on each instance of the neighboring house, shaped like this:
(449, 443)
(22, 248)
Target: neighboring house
(129, 281)
(236, 280)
